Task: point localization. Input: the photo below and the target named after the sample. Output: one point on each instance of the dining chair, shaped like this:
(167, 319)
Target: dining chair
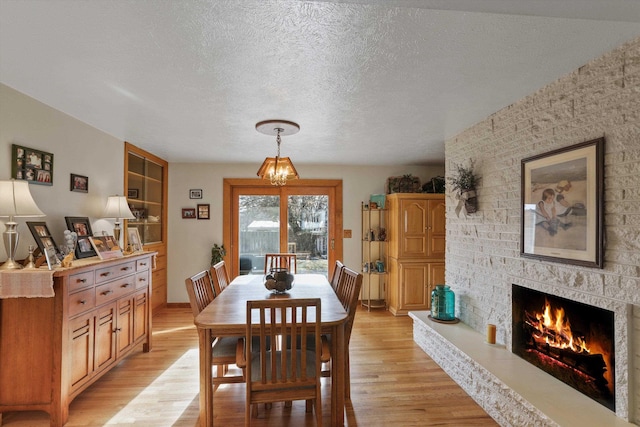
(219, 276)
(337, 272)
(223, 349)
(348, 291)
(289, 374)
(280, 260)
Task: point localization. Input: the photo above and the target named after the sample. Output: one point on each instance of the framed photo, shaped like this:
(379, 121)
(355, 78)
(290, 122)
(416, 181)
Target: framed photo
(562, 205)
(43, 238)
(52, 258)
(203, 211)
(133, 237)
(79, 183)
(106, 247)
(82, 227)
(195, 194)
(29, 164)
(133, 193)
(188, 213)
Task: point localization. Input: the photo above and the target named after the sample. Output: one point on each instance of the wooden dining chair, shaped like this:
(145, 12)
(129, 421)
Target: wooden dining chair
(219, 276)
(289, 374)
(280, 260)
(348, 291)
(337, 272)
(223, 349)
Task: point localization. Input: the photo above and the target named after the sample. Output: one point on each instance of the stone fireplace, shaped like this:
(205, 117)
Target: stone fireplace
(572, 341)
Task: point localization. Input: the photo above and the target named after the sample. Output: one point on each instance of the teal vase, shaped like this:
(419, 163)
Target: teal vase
(443, 303)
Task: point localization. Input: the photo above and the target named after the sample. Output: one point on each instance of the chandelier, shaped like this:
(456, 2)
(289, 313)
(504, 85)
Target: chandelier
(278, 170)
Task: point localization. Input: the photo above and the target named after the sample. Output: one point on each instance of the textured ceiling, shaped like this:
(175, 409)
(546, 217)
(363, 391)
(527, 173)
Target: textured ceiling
(369, 82)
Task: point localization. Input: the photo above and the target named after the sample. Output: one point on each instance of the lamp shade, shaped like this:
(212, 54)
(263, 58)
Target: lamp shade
(16, 200)
(117, 207)
(278, 169)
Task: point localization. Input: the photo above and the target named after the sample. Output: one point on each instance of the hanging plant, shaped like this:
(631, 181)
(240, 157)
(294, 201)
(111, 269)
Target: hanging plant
(464, 183)
(217, 253)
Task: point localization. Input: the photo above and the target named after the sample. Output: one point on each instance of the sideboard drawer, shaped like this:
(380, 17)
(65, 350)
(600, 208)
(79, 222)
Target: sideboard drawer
(114, 290)
(115, 271)
(80, 280)
(143, 264)
(142, 280)
(82, 301)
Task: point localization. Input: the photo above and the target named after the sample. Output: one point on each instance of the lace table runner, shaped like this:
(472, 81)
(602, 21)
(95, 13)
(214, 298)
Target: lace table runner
(26, 284)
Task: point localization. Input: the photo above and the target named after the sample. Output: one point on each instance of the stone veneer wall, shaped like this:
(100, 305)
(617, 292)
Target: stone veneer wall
(602, 98)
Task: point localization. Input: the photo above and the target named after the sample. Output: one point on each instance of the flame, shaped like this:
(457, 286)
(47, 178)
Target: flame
(556, 330)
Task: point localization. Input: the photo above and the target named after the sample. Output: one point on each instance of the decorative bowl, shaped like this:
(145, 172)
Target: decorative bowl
(279, 280)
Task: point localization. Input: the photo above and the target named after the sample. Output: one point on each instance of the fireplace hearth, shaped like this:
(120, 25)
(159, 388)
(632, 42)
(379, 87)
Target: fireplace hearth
(569, 340)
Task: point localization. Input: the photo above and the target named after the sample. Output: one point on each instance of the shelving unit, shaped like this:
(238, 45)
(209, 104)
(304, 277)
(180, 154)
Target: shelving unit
(146, 178)
(374, 257)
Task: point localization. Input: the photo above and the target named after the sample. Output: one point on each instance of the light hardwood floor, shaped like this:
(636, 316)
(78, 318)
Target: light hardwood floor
(393, 383)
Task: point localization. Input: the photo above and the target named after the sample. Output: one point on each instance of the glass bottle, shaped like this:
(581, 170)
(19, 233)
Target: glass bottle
(443, 303)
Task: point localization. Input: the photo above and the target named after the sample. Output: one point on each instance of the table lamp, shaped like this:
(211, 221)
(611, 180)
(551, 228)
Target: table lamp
(117, 208)
(15, 202)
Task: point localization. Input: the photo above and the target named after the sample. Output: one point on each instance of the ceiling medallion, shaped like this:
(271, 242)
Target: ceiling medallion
(278, 170)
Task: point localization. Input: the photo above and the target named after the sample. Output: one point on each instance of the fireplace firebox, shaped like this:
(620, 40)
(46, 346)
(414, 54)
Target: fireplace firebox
(570, 340)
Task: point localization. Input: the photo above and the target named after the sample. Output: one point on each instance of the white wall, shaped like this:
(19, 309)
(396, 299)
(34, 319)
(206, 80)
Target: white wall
(190, 241)
(77, 148)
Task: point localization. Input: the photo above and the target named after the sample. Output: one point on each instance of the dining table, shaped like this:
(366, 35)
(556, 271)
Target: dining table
(226, 315)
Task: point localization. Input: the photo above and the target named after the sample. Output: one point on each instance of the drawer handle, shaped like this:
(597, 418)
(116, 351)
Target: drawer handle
(125, 285)
(81, 280)
(125, 268)
(142, 279)
(143, 264)
(107, 292)
(105, 274)
(83, 301)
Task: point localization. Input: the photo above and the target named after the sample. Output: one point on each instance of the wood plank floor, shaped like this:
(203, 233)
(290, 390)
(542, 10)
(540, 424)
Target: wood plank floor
(393, 382)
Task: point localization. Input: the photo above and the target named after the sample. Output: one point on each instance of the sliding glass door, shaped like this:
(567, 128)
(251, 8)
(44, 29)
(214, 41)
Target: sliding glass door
(300, 218)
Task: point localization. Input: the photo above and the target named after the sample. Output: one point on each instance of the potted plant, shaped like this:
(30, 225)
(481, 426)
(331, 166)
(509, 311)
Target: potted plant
(217, 253)
(464, 182)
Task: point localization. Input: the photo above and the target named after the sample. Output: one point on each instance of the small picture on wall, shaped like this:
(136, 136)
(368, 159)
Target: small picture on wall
(195, 194)
(188, 213)
(79, 183)
(203, 211)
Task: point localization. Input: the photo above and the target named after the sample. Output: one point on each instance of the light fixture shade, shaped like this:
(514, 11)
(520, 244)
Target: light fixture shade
(16, 200)
(278, 169)
(117, 207)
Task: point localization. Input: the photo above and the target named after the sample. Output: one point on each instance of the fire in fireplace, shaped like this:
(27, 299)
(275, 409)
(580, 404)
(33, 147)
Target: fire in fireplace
(570, 340)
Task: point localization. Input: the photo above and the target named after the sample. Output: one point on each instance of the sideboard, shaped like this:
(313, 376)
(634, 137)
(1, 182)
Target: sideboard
(52, 348)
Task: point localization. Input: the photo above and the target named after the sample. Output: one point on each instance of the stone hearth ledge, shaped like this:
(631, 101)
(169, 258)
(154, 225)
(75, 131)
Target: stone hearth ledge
(512, 391)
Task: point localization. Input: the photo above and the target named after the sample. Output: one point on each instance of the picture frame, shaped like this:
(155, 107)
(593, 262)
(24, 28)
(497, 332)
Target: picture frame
(106, 247)
(563, 205)
(82, 227)
(133, 193)
(53, 261)
(195, 193)
(188, 213)
(43, 238)
(79, 183)
(32, 165)
(133, 238)
(203, 211)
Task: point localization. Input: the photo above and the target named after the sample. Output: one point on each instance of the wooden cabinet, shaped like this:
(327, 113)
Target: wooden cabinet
(374, 257)
(145, 180)
(54, 348)
(416, 234)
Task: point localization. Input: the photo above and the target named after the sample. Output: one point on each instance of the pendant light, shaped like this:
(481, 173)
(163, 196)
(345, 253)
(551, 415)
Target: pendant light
(278, 170)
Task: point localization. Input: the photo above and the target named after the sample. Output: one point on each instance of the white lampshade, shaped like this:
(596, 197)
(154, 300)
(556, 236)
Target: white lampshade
(117, 207)
(16, 200)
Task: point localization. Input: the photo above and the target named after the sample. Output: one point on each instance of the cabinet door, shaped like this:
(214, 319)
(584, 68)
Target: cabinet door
(436, 277)
(82, 338)
(124, 336)
(414, 277)
(105, 347)
(140, 324)
(436, 232)
(413, 232)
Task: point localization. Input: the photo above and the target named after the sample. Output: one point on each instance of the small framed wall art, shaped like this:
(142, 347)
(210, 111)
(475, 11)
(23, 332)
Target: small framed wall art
(203, 211)
(79, 183)
(195, 193)
(29, 164)
(188, 213)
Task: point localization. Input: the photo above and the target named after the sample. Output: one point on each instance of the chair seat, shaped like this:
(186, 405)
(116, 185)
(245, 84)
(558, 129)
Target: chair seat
(310, 368)
(224, 347)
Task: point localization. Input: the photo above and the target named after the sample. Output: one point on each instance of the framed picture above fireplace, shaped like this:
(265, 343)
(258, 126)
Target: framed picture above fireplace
(562, 205)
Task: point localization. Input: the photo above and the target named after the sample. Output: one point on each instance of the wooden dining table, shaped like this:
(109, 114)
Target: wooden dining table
(226, 315)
